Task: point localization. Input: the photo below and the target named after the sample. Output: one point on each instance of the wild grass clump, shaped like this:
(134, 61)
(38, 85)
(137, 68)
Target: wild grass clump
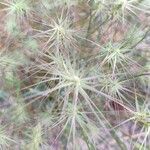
(75, 74)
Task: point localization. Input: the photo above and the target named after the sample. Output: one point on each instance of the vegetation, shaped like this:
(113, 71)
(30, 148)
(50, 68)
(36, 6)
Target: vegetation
(75, 74)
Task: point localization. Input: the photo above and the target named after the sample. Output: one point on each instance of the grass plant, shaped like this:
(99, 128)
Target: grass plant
(74, 75)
